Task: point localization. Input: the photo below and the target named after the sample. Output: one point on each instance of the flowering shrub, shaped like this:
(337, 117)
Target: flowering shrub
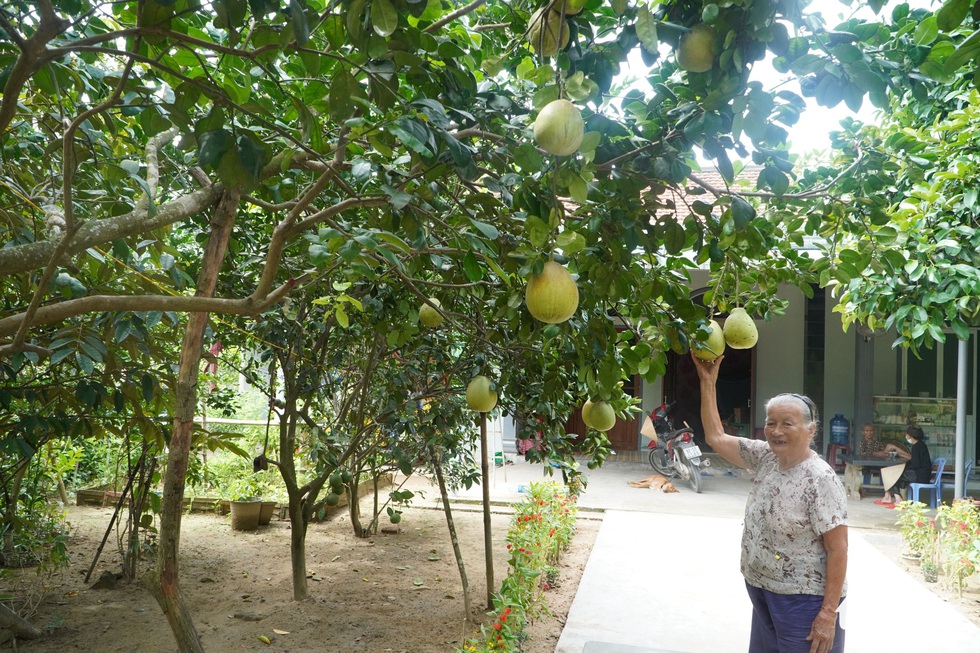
(918, 531)
(540, 531)
(958, 542)
(950, 540)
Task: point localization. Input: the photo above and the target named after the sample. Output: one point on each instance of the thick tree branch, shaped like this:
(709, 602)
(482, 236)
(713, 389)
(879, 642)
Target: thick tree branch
(108, 303)
(33, 55)
(448, 18)
(22, 258)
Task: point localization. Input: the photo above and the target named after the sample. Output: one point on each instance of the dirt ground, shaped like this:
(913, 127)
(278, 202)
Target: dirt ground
(397, 592)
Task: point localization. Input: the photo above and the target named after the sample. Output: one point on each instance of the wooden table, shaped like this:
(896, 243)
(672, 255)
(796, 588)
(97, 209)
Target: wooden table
(857, 466)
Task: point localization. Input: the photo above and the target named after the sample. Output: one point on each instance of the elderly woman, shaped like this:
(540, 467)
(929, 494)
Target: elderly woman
(918, 469)
(794, 539)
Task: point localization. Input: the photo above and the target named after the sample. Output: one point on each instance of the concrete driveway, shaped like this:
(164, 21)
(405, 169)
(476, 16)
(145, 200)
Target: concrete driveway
(664, 572)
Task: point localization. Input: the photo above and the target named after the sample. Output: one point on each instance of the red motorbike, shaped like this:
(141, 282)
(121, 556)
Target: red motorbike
(673, 452)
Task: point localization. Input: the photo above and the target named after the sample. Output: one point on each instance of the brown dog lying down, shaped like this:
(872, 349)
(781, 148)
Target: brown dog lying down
(654, 482)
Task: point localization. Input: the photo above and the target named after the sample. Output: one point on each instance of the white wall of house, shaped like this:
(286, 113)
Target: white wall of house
(779, 354)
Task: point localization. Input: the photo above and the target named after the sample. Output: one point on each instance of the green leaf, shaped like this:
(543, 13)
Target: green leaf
(965, 51)
(147, 387)
(951, 15)
(646, 29)
(297, 18)
(384, 17)
(472, 268)
(742, 212)
(926, 31)
(571, 242)
(213, 145)
(341, 96)
(578, 189)
(487, 229)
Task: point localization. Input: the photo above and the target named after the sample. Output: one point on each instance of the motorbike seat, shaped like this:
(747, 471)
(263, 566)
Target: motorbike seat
(674, 434)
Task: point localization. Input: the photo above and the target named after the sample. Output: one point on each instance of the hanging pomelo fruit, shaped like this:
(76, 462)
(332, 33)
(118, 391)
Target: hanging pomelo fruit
(694, 50)
(559, 128)
(552, 296)
(713, 347)
(480, 395)
(740, 329)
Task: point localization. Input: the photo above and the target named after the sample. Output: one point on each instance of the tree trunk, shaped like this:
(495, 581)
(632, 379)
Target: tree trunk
(8, 554)
(163, 581)
(19, 626)
(354, 510)
(437, 466)
(487, 529)
(297, 548)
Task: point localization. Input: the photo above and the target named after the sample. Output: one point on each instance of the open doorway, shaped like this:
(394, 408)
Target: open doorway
(735, 389)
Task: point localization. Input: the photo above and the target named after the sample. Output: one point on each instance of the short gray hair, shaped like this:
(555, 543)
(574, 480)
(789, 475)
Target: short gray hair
(808, 409)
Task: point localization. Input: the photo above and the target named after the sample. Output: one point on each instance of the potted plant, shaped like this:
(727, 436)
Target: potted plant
(245, 495)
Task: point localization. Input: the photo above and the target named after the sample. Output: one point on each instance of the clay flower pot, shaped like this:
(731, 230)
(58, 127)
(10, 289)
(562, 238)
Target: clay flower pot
(266, 513)
(245, 514)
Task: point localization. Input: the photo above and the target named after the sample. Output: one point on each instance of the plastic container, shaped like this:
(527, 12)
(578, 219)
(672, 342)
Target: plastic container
(840, 430)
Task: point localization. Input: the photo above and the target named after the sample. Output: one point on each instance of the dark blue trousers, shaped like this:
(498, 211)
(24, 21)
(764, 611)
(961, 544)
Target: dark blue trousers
(781, 622)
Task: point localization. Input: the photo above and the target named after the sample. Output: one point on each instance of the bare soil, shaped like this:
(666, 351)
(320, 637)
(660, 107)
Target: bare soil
(393, 592)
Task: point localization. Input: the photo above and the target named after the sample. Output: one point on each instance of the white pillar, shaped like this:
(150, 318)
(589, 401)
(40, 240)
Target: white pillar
(959, 481)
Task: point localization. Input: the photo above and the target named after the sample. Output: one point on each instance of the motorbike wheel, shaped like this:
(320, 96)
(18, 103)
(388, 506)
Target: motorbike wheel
(693, 475)
(659, 462)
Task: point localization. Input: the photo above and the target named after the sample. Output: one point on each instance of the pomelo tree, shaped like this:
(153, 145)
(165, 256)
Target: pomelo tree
(182, 160)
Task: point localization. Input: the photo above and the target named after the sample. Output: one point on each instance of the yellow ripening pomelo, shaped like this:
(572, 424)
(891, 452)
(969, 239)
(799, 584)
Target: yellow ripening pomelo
(559, 128)
(740, 330)
(552, 296)
(429, 316)
(713, 347)
(694, 50)
(547, 32)
(586, 409)
(601, 416)
(480, 395)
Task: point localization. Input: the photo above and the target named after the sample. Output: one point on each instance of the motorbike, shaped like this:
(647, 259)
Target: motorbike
(673, 452)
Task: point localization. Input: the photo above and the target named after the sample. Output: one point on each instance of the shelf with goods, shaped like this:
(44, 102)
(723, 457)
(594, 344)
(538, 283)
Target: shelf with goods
(936, 416)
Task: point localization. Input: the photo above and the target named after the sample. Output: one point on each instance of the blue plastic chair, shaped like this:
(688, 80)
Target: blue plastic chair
(968, 469)
(935, 487)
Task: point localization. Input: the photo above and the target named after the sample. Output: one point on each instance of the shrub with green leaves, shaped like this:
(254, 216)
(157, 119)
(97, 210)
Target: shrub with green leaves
(542, 528)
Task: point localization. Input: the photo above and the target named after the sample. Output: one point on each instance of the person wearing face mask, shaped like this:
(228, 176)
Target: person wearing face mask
(918, 469)
(794, 536)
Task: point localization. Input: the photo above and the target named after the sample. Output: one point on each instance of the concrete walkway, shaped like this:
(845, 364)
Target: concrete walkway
(663, 575)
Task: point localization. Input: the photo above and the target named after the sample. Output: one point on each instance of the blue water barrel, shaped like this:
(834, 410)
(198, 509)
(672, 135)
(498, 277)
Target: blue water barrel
(840, 430)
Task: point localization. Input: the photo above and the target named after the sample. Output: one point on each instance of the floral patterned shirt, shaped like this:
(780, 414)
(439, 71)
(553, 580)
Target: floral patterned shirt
(786, 515)
(868, 447)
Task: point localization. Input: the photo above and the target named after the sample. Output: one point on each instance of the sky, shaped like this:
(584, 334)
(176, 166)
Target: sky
(813, 131)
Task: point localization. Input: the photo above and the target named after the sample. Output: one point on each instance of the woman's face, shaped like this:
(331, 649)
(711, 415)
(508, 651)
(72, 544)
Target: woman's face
(787, 431)
(868, 432)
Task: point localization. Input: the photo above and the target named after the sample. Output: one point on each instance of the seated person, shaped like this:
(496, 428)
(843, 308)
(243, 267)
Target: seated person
(918, 469)
(870, 445)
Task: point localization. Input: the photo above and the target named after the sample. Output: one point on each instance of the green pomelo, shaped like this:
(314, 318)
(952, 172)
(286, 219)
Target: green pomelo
(694, 50)
(740, 329)
(713, 347)
(480, 395)
(395, 517)
(586, 410)
(601, 417)
(429, 316)
(332, 499)
(552, 296)
(547, 32)
(559, 128)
